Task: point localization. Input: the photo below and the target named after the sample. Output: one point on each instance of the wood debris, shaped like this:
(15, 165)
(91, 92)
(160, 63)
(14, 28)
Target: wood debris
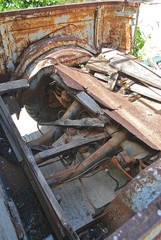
(84, 122)
(45, 155)
(116, 70)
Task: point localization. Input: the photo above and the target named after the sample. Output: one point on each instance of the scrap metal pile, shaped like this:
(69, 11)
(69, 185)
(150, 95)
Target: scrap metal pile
(87, 133)
(104, 113)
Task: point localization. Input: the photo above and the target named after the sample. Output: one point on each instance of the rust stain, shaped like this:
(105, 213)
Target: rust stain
(132, 116)
(45, 65)
(38, 48)
(144, 225)
(24, 27)
(116, 214)
(48, 10)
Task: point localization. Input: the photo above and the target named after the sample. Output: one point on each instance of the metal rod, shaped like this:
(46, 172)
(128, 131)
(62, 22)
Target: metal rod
(102, 153)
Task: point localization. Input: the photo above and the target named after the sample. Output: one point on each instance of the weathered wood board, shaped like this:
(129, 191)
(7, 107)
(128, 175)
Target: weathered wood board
(100, 65)
(136, 70)
(84, 122)
(13, 85)
(40, 157)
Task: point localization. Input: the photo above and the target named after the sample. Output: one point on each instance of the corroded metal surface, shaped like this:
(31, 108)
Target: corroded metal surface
(95, 159)
(134, 200)
(38, 48)
(116, 214)
(142, 190)
(45, 66)
(144, 225)
(68, 56)
(96, 24)
(140, 118)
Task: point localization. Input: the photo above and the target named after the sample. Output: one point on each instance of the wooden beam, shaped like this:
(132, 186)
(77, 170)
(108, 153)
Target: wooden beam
(102, 77)
(59, 223)
(13, 85)
(84, 122)
(100, 65)
(136, 70)
(82, 97)
(149, 92)
(45, 155)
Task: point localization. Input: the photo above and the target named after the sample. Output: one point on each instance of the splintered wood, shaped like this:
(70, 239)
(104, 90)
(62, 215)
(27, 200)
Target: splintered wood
(116, 69)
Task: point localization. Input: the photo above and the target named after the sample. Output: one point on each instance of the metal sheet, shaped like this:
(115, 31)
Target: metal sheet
(141, 118)
(134, 200)
(45, 66)
(144, 225)
(38, 48)
(21, 28)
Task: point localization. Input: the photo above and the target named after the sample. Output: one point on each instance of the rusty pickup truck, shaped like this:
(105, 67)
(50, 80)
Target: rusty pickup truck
(96, 171)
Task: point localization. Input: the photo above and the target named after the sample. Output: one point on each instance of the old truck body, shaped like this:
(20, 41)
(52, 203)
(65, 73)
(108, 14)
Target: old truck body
(98, 135)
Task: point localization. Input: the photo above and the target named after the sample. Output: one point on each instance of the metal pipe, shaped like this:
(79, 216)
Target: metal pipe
(107, 150)
(53, 134)
(135, 150)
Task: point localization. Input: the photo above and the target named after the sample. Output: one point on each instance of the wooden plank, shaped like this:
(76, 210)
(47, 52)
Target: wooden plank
(13, 85)
(102, 77)
(109, 53)
(83, 98)
(59, 223)
(84, 122)
(88, 102)
(100, 65)
(45, 155)
(149, 92)
(11, 103)
(136, 70)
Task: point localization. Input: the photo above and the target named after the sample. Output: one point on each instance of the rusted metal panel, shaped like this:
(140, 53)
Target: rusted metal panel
(142, 190)
(21, 28)
(144, 225)
(141, 117)
(134, 200)
(38, 48)
(116, 214)
(45, 66)
(66, 55)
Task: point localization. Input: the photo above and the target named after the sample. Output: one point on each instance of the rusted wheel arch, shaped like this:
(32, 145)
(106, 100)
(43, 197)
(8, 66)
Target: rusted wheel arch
(45, 45)
(38, 73)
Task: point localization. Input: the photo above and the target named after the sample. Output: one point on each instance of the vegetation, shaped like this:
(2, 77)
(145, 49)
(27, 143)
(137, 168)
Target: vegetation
(138, 44)
(6, 5)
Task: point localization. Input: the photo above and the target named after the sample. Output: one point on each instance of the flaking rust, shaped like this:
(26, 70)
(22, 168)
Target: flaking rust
(96, 130)
(23, 28)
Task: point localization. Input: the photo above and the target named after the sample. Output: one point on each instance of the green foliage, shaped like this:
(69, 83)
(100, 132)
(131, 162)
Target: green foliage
(139, 43)
(6, 5)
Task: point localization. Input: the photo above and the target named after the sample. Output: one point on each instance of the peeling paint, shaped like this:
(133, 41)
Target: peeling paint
(26, 26)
